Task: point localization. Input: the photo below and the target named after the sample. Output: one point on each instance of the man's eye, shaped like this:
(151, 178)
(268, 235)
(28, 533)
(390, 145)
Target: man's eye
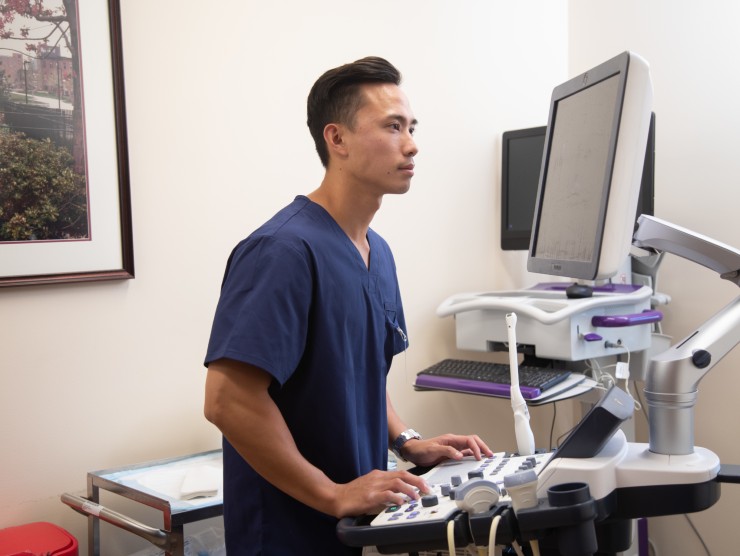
(397, 127)
(412, 130)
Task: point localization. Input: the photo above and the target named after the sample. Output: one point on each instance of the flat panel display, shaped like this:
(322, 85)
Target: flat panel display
(591, 171)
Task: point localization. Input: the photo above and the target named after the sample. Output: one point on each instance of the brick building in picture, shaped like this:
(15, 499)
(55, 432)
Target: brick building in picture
(48, 73)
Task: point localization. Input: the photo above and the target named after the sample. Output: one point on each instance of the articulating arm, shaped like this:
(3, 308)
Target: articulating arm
(673, 376)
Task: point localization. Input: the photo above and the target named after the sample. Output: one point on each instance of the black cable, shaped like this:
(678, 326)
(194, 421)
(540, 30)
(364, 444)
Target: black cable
(566, 433)
(698, 535)
(552, 425)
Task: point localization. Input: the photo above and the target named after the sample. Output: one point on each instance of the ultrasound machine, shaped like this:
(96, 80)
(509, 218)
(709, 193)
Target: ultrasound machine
(582, 497)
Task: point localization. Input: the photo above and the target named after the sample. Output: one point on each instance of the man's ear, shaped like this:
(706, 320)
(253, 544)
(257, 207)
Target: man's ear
(334, 138)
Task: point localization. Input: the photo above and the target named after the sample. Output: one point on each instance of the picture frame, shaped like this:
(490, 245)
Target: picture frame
(107, 251)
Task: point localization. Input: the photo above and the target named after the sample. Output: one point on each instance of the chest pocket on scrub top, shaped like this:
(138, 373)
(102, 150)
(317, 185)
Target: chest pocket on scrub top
(396, 339)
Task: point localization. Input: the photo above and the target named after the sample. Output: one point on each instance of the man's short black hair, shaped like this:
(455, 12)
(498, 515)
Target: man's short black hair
(336, 96)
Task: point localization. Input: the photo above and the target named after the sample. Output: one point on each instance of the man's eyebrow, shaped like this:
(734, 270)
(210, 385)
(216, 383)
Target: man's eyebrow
(404, 119)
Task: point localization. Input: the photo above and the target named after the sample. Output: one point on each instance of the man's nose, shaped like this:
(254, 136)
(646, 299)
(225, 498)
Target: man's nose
(411, 148)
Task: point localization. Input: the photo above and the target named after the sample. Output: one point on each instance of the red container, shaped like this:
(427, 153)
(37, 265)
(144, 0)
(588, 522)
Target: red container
(35, 539)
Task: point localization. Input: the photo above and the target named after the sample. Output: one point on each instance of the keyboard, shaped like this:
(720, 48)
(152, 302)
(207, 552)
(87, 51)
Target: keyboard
(440, 505)
(493, 379)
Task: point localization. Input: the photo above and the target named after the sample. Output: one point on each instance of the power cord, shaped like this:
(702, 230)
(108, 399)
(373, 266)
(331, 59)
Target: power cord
(552, 425)
(645, 412)
(492, 536)
(517, 548)
(606, 380)
(451, 537)
(698, 535)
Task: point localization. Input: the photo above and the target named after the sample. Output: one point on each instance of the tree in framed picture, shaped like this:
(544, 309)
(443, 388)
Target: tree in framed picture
(43, 185)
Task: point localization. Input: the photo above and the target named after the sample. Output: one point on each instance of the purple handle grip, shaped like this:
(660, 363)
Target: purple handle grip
(616, 321)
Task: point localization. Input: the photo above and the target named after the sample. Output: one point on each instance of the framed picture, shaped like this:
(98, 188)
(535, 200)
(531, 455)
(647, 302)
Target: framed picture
(65, 205)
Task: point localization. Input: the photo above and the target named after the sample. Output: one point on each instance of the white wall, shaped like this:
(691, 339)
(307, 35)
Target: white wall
(105, 374)
(691, 48)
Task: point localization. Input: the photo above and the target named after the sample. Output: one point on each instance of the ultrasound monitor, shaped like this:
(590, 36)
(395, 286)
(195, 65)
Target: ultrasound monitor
(521, 160)
(591, 171)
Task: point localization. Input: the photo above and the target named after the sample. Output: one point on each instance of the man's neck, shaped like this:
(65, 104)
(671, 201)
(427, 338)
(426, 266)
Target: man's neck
(352, 211)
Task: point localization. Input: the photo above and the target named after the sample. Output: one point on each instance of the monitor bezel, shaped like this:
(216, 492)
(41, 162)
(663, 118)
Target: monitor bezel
(565, 267)
(623, 170)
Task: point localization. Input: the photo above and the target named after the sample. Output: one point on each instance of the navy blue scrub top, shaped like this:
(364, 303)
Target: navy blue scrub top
(298, 301)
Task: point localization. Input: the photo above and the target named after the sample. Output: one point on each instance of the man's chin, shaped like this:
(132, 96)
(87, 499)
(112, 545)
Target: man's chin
(403, 189)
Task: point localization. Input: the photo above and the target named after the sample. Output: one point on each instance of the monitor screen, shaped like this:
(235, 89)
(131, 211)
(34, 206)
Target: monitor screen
(591, 170)
(521, 160)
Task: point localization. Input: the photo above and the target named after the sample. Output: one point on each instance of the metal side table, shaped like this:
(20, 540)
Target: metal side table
(170, 486)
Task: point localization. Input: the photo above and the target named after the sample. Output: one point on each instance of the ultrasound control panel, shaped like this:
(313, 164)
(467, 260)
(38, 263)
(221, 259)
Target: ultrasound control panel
(463, 485)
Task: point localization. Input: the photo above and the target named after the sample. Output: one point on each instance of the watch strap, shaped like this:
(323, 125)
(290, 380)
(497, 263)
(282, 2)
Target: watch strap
(401, 439)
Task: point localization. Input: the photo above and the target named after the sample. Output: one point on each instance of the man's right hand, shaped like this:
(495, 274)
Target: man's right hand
(372, 493)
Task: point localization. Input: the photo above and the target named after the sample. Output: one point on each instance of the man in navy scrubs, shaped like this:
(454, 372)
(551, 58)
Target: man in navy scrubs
(308, 322)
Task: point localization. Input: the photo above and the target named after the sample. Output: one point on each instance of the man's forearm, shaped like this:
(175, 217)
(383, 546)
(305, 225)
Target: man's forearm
(238, 403)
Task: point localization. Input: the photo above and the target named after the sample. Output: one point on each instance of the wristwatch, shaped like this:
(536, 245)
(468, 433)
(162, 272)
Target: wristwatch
(401, 439)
